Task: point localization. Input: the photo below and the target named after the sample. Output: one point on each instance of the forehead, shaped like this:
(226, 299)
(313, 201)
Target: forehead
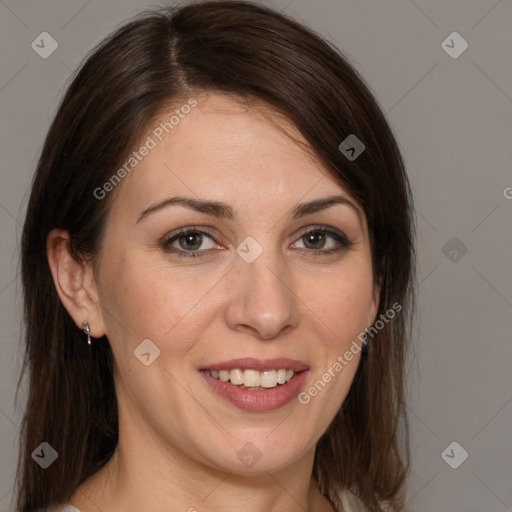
(221, 148)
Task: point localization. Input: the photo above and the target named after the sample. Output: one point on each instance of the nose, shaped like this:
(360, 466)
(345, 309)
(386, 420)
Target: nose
(262, 302)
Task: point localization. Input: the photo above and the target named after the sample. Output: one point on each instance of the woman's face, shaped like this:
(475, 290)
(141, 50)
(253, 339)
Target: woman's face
(246, 283)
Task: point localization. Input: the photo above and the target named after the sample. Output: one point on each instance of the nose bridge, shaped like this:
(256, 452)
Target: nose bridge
(265, 300)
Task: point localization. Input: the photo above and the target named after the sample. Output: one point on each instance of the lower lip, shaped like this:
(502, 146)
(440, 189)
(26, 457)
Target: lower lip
(259, 401)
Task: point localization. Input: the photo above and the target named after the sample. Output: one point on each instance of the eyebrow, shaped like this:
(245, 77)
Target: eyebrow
(224, 211)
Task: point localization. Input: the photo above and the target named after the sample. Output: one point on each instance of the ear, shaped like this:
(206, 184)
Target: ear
(374, 306)
(74, 282)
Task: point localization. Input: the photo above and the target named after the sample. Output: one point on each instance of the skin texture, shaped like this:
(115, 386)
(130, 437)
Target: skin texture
(178, 440)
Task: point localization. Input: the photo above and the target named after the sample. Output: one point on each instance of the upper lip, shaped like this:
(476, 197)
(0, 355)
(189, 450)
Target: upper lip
(250, 363)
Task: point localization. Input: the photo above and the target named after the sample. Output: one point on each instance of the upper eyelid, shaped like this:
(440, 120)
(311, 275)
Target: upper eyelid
(184, 231)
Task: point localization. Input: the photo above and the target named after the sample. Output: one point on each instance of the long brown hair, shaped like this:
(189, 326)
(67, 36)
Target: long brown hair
(149, 63)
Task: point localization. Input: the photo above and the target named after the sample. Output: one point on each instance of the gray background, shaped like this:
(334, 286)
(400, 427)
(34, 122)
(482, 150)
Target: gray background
(453, 122)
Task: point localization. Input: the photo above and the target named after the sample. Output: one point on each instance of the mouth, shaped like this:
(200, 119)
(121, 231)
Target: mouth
(256, 385)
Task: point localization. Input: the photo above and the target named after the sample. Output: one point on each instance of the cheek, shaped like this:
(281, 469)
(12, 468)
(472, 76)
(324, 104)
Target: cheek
(143, 300)
(340, 305)
(341, 301)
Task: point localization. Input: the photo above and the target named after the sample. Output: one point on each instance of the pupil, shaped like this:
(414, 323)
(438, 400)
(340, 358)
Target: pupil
(315, 237)
(190, 238)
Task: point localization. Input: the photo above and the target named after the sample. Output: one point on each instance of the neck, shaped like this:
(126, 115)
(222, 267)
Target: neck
(144, 476)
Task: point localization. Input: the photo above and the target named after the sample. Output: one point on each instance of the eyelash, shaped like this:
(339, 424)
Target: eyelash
(343, 241)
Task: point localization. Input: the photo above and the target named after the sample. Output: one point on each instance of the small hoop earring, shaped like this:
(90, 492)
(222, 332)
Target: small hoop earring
(87, 330)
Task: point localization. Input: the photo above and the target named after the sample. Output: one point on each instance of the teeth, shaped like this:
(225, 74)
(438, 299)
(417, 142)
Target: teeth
(281, 376)
(268, 379)
(236, 377)
(253, 378)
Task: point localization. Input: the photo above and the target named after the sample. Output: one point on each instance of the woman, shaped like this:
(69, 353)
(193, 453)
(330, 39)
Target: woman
(218, 272)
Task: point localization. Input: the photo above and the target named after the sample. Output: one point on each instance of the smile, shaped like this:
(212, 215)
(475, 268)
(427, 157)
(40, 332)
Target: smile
(256, 385)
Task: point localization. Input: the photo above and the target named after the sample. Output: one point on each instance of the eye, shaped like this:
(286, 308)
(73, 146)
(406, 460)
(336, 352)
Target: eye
(315, 241)
(187, 242)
